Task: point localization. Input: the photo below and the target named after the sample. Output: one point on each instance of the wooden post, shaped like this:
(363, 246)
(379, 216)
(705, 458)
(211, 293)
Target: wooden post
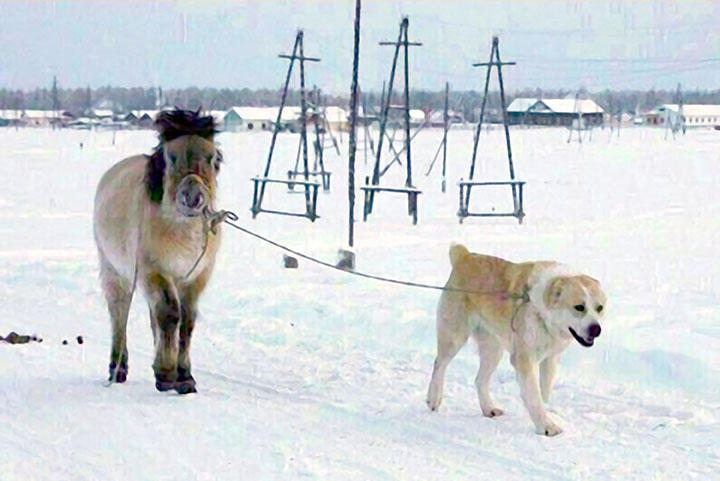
(408, 178)
(303, 128)
(480, 121)
(496, 43)
(279, 115)
(446, 121)
(353, 125)
(386, 106)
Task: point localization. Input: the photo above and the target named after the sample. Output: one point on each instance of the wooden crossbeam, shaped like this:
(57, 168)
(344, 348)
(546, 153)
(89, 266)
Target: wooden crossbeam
(509, 182)
(402, 190)
(284, 181)
(465, 187)
(402, 43)
(299, 57)
(497, 64)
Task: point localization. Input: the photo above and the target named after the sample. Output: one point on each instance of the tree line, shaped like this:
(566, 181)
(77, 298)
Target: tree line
(78, 101)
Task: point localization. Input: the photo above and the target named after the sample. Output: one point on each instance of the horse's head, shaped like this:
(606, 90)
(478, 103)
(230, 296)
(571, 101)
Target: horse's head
(182, 172)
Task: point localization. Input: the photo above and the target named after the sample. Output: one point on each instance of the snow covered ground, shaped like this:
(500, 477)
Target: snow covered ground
(316, 374)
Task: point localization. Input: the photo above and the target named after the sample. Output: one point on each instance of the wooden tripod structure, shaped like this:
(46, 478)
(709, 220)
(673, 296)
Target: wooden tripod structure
(311, 187)
(516, 186)
(371, 189)
(323, 133)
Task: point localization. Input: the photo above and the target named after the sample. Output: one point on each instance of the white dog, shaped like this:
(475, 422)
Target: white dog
(533, 310)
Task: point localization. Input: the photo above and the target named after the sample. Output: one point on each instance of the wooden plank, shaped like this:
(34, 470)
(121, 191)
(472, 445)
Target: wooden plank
(292, 214)
(510, 182)
(391, 189)
(494, 214)
(284, 181)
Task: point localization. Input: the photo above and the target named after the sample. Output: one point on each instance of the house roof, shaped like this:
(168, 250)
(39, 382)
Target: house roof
(417, 114)
(521, 104)
(12, 114)
(694, 110)
(150, 113)
(266, 113)
(102, 112)
(567, 106)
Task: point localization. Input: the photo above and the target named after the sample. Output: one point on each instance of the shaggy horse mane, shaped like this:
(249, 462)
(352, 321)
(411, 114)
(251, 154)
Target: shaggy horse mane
(172, 124)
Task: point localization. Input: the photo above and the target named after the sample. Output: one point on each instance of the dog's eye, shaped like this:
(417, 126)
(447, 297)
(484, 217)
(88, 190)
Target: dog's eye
(599, 308)
(580, 308)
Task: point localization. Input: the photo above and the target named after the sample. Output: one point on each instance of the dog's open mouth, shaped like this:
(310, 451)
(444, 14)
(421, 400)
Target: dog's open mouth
(580, 339)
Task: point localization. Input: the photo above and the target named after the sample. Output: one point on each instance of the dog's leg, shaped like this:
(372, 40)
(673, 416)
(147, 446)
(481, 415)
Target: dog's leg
(188, 300)
(530, 391)
(118, 293)
(548, 369)
(165, 314)
(452, 334)
(490, 354)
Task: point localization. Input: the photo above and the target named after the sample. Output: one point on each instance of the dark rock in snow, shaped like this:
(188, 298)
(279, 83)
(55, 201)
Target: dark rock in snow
(290, 262)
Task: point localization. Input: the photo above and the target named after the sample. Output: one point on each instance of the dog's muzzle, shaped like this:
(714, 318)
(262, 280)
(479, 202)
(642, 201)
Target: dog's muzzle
(192, 195)
(592, 332)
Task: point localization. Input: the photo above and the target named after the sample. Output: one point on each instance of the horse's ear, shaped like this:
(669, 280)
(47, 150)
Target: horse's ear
(154, 176)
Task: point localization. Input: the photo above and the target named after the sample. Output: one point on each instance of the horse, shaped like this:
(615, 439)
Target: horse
(150, 229)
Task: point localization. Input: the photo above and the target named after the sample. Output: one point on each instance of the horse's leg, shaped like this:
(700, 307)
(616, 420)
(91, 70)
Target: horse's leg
(188, 301)
(118, 294)
(165, 314)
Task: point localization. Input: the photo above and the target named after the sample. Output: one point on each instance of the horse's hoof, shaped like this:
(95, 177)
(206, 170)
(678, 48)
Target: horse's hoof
(118, 374)
(163, 386)
(185, 387)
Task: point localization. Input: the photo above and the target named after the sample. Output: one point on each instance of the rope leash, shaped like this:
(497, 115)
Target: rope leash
(230, 217)
(210, 222)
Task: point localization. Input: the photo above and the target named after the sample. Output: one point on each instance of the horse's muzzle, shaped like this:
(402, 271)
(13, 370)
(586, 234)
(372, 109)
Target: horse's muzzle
(192, 196)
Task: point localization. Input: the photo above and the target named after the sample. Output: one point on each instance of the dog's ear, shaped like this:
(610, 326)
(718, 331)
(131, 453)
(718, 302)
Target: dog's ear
(589, 282)
(554, 291)
(593, 286)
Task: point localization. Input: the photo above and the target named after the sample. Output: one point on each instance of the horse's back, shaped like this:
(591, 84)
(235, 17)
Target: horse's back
(118, 213)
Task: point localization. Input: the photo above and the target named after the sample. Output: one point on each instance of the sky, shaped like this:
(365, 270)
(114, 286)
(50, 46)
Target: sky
(556, 44)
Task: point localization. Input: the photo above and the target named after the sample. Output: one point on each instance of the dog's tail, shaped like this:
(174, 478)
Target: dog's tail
(457, 252)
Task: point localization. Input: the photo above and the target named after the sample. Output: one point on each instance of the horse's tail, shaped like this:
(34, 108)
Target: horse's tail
(457, 253)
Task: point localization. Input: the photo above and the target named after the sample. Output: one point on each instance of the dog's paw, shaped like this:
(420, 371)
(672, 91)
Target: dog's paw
(493, 412)
(548, 429)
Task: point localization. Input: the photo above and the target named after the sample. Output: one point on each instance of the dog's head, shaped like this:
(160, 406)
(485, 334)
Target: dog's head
(183, 169)
(577, 305)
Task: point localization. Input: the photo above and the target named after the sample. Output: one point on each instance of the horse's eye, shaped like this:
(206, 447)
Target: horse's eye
(599, 308)
(580, 308)
(173, 158)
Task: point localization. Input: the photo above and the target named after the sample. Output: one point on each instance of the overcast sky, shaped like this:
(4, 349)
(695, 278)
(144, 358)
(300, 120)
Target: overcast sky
(558, 44)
